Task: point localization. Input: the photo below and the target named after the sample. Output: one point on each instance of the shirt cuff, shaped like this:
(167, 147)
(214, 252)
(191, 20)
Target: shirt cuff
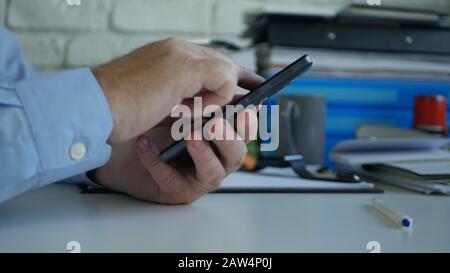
(71, 122)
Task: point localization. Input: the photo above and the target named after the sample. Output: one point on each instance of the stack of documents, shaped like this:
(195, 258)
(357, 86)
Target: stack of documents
(418, 164)
(329, 62)
(285, 180)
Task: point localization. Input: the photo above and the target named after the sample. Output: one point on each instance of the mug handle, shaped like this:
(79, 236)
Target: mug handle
(292, 146)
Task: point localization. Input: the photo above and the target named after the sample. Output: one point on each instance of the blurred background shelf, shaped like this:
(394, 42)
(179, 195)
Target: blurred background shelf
(369, 69)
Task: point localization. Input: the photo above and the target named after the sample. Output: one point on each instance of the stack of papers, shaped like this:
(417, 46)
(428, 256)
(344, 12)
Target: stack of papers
(428, 171)
(418, 164)
(330, 62)
(285, 180)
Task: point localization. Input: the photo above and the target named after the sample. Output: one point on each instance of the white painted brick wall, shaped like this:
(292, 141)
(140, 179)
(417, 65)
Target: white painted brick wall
(2, 11)
(56, 35)
(229, 15)
(43, 50)
(163, 15)
(57, 14)
(103, 47)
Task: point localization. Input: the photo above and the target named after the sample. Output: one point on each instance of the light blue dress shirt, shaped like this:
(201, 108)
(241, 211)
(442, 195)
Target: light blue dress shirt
(52, 126)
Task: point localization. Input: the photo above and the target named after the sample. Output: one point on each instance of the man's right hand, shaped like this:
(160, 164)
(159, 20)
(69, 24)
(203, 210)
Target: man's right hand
(143, 86)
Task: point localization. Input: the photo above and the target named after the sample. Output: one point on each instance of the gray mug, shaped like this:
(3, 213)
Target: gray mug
(302, 127)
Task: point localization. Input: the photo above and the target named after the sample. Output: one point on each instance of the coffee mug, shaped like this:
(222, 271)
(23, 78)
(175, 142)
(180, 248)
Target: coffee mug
(302, 127)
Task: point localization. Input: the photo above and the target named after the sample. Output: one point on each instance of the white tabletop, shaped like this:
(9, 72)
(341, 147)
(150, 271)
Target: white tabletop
(48, 218)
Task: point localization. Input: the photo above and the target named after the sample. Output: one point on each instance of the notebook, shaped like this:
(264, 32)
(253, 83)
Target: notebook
(420, 164)
(429, 170)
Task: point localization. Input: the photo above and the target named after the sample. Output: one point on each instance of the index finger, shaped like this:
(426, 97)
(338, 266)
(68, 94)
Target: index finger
(248, 79)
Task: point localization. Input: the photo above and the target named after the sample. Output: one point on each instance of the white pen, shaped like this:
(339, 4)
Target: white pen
(400, 219)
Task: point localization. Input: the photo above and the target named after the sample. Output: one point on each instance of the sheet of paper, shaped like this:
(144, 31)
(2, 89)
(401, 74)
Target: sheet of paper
(390, 144)
(407, 183)
(359, 158)
(274, 178)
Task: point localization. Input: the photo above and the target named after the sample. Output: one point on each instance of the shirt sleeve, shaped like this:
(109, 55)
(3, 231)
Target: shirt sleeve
(52, 127)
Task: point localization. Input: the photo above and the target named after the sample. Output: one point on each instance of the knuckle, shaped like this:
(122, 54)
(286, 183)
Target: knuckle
(172, 43)
(167, 181)
(240, 159)
(230, 94)
(233, 72)
(206, 158)
(192, 198)
(215, 182)
(244, 150)
(226, 67)
(238, 163)
(173, 40)
(172, 198)
(152, 162)
(189, 198)
(229, 60)
(206, 65)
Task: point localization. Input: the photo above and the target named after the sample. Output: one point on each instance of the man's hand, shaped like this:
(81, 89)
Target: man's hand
(135, 167)
(143, 86)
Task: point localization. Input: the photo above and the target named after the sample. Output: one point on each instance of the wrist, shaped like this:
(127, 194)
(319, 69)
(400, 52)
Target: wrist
(107, 86)
(92, 176)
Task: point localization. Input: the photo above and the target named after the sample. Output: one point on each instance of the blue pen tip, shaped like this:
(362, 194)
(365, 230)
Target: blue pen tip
(405, 223)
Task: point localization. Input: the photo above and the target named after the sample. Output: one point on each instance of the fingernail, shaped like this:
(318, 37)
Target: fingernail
(142, 143)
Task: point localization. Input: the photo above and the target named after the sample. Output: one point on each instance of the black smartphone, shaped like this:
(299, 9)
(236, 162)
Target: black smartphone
(255, 97)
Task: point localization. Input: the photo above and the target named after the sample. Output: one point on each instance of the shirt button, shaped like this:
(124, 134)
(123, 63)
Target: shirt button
(78, 151)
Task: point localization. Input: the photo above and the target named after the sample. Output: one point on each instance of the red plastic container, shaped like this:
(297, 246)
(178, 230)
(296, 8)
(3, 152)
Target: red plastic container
(430, 114)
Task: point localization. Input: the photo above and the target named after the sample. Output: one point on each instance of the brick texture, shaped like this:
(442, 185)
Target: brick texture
(2, 11)
(58, 14)
(163, 15)
(44, 51)
(102, 48)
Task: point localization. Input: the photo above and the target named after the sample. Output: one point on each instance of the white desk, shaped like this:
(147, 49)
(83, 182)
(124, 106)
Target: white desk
(48, 218)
